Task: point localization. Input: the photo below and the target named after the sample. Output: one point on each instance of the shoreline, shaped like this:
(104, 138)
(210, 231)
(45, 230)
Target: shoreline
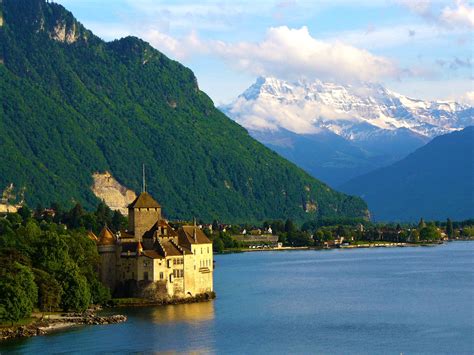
(141, 302)
(51, 323)
(57, 322)
(357, 246)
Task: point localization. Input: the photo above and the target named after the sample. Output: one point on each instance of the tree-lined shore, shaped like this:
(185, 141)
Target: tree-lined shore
(49, 263)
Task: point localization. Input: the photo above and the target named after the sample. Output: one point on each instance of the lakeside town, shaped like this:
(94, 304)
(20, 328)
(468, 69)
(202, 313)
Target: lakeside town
(327, 234)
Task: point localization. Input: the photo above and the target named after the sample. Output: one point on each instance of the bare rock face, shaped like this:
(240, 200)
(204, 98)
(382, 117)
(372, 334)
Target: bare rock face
(116, 196)
(62, 33)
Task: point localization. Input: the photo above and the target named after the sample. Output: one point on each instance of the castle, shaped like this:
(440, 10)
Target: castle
(178, 263)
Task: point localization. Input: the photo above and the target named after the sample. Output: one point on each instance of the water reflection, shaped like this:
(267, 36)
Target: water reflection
(188, 313)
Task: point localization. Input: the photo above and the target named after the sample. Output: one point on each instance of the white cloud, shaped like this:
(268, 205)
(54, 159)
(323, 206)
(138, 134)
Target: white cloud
(421, 7)
(467, 98)
(462, 15)
(285, 53)
(389, 36)
(260, 115)
(459, 14)
(180, 49)
(293, 53)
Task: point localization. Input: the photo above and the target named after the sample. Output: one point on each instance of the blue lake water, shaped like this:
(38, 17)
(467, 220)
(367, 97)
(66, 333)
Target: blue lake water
(400, 300)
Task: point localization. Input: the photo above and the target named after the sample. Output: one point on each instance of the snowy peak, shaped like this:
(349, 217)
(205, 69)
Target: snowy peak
(353, 112)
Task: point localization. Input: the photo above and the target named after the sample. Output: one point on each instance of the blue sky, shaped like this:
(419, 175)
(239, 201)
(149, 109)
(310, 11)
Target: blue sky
(420, 48)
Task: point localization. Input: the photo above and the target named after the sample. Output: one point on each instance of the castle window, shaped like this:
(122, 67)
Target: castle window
(178, 273)
(208, 250)
(145, 276)
(162, 276)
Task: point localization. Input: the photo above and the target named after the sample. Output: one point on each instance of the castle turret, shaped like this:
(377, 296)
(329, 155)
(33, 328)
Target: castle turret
(143, 213)
(107, 247)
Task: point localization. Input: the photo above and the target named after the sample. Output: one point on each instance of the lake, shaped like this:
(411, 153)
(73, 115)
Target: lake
(379, 300)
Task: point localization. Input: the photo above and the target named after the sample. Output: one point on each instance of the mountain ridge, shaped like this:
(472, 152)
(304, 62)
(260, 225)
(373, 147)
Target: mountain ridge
(377, 123)
(434, 182)
(369, 103)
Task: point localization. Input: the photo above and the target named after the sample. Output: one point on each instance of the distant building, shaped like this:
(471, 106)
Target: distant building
(150, 252)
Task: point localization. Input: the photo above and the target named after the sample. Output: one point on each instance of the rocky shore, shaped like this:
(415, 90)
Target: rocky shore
(50, 323)
(144, 302)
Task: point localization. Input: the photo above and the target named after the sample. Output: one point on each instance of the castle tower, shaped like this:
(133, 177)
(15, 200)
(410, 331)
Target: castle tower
(106, 246)
(143, 213)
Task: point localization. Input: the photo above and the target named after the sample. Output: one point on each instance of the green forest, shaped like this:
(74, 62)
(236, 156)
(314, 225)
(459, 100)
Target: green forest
(48, 262)
(73, 105)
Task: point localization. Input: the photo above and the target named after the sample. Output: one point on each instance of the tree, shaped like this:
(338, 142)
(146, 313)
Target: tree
(77, 295)
(430, 233)
(415, 236)
(328, 235)
(421, 224)
(74, 217)
(103, 214)
(300, 239)
(19, 291)
(215, 226)
(449, 229)
(24, 212)
(99, 293)
(290, 226)
(14, 219)
(119, 221)
(319, 236)
(218, 244)
(49, 291)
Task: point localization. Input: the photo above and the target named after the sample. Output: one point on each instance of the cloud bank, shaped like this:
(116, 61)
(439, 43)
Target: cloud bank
(285, 53)
(468, 98)
(460, 14)
(293, 53)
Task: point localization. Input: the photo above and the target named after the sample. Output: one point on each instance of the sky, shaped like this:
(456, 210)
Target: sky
(420, 48)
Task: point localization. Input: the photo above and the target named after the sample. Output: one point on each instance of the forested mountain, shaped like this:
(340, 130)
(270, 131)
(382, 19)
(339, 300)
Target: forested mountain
(73, 104)
(434, 182)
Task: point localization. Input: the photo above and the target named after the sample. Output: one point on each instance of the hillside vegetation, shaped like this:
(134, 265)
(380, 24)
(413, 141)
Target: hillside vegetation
(73, 104)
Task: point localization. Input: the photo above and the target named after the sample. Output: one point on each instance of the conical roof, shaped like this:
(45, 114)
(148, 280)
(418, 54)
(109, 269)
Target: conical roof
(92, 236)
(144, 200)
(139, 248)
(106, 237)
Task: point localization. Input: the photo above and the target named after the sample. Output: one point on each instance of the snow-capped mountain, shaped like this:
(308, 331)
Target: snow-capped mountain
(353, 112)
(379, 126)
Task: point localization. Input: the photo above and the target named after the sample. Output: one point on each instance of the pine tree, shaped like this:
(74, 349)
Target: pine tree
(421, 224)
(449, 229)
